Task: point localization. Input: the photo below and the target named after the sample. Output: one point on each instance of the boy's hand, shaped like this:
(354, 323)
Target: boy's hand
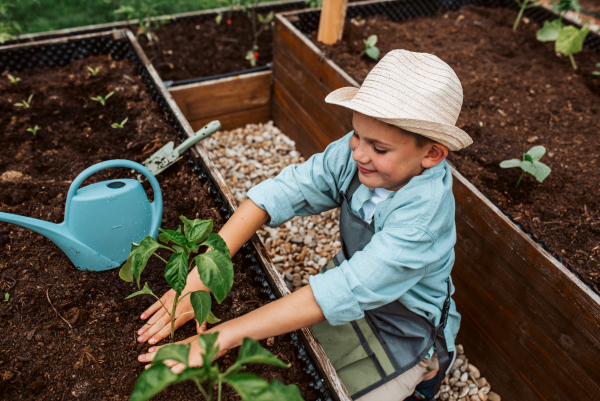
(195, 355)
(159, 324)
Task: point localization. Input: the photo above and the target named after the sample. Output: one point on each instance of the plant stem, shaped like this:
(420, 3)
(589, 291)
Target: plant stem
(158, 256)
(173, 315)
(219, 398)
(523, 6)
(201, 388)
(573, 61)
(521, 177)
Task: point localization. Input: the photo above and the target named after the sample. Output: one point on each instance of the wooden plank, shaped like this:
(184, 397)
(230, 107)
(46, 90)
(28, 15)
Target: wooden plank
(310, 93)
(288, 124)
(331, 23)
(237, 119)
(205, 100)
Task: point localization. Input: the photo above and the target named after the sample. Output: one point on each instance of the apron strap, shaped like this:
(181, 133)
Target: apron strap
(440, 342)
(354, 184)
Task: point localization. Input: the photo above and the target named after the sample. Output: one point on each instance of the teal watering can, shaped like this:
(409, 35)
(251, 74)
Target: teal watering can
(101, 219)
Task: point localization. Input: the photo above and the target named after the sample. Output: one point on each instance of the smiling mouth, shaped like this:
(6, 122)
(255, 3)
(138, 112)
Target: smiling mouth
(365, 171)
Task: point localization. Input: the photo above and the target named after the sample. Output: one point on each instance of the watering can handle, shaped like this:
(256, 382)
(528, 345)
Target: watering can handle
(157, 205)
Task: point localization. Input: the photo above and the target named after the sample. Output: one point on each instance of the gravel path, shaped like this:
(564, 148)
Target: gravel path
(250, 155)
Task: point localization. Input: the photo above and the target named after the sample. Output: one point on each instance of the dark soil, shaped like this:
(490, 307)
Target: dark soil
(517, 94)
(40, 357)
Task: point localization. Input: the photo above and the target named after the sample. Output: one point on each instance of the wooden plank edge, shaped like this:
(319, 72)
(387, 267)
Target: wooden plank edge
(229, 121)
(220, 80)
(117, 34)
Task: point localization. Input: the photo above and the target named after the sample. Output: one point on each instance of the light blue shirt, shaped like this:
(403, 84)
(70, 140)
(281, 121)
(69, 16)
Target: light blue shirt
(408, 258)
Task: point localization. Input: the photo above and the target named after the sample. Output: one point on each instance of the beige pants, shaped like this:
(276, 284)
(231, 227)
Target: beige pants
(404, 385)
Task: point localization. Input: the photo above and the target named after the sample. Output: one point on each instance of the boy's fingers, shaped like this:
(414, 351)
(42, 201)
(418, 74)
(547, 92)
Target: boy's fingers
(150, 311)
(200, 328)
(159, 314)
(177, 369)
(149, 357)
(165, 321)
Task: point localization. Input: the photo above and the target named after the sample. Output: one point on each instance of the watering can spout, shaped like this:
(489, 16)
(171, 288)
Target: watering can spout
(79, 253)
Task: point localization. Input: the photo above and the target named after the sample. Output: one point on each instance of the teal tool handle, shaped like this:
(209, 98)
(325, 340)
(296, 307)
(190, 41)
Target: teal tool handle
(203, 133)
(157, 205)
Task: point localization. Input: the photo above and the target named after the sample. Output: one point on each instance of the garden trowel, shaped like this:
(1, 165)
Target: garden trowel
(169, 155)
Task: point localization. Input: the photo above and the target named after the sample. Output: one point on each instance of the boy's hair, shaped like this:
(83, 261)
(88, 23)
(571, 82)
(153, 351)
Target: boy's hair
(420, 140)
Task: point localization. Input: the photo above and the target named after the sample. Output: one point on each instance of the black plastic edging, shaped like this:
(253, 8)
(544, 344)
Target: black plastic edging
(170, 84)
(61, 54)
(403, 10)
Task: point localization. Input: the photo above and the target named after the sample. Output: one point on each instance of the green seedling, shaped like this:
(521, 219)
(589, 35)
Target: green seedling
(13, 80)
(219, 18)
(567, 39)
(209, 377)
(370, 49)
(6, 297)
(34, 130)
(94, 71)
(313, 3)
(524, 5)
(596, 72)
(214, 267)
(102, 100)
(117, 125)
(530, 164)
(25, 103)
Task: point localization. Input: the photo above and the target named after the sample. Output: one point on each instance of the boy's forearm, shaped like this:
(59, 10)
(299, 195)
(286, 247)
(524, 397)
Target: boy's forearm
(295, 311)
(243, 225)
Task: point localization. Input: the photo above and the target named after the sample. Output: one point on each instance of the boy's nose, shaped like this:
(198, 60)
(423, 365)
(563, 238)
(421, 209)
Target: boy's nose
(360, 155)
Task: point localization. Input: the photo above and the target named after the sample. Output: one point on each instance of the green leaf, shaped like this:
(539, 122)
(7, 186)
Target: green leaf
(176, 352)
(261, 19)
(510, 163)
(570, 40)
(173, 236)
(201, 302)
(207, 342)
(536, 152)
(145, 250)
(152, 381)
(219, 18)
(373, 53)
(216, 272)
(197, 230)
(527, 158)
(537, 169)
(126, 272)
(371, 41)
(549, 31)
(145, 290)
(216, 243)
(269, 17)
(212, 319)
(254, 388)
(176, 271)
(252, 352)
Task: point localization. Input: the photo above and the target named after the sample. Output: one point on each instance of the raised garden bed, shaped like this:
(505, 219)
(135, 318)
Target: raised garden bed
(528, 321)
(42, 357)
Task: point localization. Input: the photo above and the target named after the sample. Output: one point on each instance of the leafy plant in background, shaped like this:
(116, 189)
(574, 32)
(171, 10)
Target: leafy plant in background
(102, 100)
(9, 27)
(12, 79)
(523, 5)
(370, 49)
(117, 125)
(567, 39)
(313, 3)
(214, 267)
(25, 103)
(530, 164)
(94, 71)
(145, 12)
(248, 386)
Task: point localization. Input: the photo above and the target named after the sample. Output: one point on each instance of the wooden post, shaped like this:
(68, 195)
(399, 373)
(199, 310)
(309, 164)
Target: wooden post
(331, 25)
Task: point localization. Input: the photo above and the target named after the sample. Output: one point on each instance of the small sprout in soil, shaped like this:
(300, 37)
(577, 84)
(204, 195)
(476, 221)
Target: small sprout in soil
(214, 267)
(94, 71)
(25, 103)
(523, 5)
(6, 297)
(34, 130)
(209, 378)
(13, 80)
(370, 49)
(101, 99)
(252, 57)
(219, 18)
(117, 125)
(530, 164)
(596, 72)
(481, 123)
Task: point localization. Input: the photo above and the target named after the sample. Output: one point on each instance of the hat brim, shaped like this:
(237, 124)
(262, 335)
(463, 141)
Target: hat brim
(448, 135)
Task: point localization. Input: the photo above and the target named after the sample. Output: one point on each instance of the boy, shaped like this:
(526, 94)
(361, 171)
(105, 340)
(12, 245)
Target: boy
(382, 308)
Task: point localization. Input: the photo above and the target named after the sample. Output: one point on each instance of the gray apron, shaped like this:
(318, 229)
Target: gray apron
(389, 340)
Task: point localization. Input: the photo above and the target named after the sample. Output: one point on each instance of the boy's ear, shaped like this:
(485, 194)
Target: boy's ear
(436, 152)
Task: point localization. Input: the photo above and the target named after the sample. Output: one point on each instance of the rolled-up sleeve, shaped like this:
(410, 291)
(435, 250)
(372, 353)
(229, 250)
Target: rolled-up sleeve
(393, 262)
(309, 188)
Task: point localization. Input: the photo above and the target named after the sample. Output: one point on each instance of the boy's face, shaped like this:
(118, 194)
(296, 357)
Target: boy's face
(386, 156)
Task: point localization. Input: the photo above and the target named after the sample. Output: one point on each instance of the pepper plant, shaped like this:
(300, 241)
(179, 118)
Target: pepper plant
(370, 49)
(214, 267)
(530, 164)
(567, 39)
(249, 387)
(523, 5)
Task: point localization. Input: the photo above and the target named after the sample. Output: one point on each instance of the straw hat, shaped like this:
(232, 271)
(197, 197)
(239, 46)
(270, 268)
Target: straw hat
(414, 91)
